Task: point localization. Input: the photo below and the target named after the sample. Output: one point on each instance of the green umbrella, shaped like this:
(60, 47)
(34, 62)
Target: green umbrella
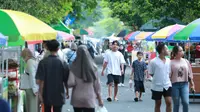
(185, 32)
(190, 32)
(81, 32)
(62, 27)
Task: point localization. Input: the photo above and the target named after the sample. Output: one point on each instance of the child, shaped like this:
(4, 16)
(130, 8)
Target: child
(139, 69)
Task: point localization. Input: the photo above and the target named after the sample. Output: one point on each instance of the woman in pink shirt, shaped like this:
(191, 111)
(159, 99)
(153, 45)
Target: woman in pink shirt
(181, 75)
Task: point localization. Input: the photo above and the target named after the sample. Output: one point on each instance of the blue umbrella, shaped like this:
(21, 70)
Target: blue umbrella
(2, 40)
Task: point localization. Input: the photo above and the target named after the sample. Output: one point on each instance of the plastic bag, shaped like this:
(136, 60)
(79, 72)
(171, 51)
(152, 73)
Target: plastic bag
(102, 109)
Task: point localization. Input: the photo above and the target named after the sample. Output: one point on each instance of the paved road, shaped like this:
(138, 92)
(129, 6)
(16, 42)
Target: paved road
(126, 103)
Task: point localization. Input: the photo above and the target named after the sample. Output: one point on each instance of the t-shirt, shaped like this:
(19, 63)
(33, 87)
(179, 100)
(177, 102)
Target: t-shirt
(54, 72)
(114, 60)
(180, 71)
(139, 67)
(160, 72)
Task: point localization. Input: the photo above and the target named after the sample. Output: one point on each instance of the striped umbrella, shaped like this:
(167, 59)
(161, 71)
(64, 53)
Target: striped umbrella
(143, 35)
(131, 36)
(165, 32)
(190, 32)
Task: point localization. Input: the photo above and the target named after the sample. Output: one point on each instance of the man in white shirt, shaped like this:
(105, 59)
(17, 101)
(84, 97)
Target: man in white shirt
(114, 64)
(159, 68)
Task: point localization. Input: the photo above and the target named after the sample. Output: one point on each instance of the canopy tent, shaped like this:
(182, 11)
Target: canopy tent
(62, 27)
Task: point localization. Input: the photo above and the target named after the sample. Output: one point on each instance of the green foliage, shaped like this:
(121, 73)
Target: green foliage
(86, 6)
(49, 11)
(124, 10)
(184, 10)
(137, 12)
(107, 25)
(87, 20)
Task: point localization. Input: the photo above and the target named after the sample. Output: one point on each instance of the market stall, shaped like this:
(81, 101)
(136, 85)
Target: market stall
(16, 25)
(3, 70)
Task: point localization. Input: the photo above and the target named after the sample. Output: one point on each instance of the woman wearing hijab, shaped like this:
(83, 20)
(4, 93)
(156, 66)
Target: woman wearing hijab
(87, 85)
(31, 86)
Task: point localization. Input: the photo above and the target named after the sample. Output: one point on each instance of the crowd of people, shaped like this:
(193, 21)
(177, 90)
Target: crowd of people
(171, 78)
(50, 78)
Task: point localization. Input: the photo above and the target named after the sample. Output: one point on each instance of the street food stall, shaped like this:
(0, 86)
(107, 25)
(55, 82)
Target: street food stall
(196, 76)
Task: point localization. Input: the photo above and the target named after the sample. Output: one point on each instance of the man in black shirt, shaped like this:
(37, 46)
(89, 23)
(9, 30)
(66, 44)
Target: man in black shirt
(52, 75)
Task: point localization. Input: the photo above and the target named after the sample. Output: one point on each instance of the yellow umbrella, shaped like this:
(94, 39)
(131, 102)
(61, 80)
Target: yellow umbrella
(19, 26)
(142, 35)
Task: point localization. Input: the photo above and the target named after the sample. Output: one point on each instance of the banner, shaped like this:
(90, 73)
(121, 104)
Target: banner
(69, 19)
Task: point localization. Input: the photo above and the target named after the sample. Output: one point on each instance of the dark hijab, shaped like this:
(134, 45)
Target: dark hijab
(84, 66)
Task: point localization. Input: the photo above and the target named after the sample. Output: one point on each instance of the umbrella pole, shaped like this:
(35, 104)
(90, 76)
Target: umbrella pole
(189, 51)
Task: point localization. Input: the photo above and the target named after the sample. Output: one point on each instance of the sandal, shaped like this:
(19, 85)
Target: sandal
(109, 99)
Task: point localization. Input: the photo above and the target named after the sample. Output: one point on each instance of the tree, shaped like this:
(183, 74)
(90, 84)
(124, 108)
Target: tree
(107, 25)
(124, 10)
(86, 6)
(87, 20)
(138, 12)
(184, 10)
(47, 11)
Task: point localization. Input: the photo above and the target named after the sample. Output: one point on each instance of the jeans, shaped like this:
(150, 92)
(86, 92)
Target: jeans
(180, 90)
(123, 76)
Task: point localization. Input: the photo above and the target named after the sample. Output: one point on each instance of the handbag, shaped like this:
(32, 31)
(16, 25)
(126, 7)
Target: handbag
(24, 81)
(71, 80)
(101, 109)
(70, 57)
(189, 67)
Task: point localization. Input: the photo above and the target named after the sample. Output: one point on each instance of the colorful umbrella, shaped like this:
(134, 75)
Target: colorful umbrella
(34, 42)
(131, 36)
(62, 36)
(143, 35)
(62, 27)
(123, 33)
(167, 31)
(149, 38)
(81, 32)
(18, 25)
(3, 40)
(90, 32)
(190, 32)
